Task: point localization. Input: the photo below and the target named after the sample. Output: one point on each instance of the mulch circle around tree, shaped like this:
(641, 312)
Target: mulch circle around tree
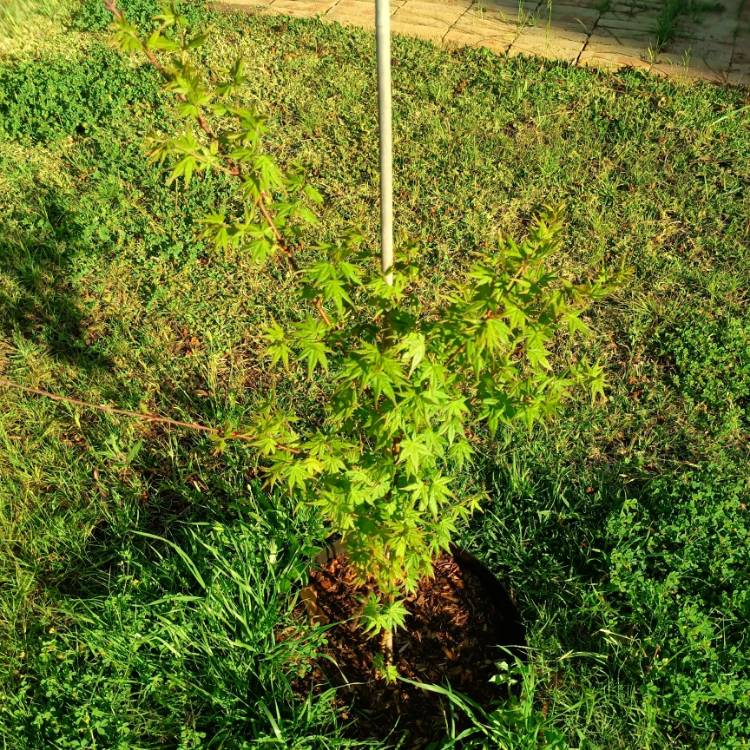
(458, 622)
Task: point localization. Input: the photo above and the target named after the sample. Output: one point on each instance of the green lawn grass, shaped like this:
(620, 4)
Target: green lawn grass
(622, 528)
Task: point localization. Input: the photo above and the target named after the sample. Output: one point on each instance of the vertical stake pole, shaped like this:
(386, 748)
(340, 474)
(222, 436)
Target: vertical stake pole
(383, 44)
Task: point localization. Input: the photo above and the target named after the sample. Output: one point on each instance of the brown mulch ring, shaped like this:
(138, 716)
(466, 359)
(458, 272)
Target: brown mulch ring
(457, 622)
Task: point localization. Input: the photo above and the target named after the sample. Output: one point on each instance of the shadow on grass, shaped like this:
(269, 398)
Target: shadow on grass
(544, 532)
(37, 300)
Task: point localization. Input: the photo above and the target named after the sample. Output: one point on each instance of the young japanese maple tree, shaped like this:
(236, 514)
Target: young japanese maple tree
(415, 385)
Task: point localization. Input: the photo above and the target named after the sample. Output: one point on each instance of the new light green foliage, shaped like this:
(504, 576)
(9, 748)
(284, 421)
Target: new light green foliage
(414, 385)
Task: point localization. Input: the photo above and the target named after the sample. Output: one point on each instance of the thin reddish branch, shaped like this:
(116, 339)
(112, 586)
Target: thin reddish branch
(142, 416)
(321, 311)
(233, 169)
(111, 6)
(206, 128)
(151, 57)
(118, 15)
(276, 233)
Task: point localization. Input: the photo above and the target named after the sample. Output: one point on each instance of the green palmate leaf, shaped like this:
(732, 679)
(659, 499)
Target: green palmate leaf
(216, 231)
(200, 95)
(184, 168)
(158, 42)
(377, 617)
(261, 247)
(310, 342)
(593, 378)
(296, 474)
(237, 73)
(314, 354)
(303, 213)
(419, 491)
(335, 292)
(182, 83)
(197, 41)
(168, 16)
(126, 37)
(535, 348)
(413, 347)
(414, 453)
(320, 272)
(460, 453)
(575, 325)
(498, 408)
(269, 176)
(277, 346)
(266, 445)
(495, 335)
(440, 493)
(313, 194)
(515, 315)
(243, 153)
(192, 156)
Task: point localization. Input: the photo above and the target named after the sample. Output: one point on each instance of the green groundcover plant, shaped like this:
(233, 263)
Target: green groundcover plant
(412, 384)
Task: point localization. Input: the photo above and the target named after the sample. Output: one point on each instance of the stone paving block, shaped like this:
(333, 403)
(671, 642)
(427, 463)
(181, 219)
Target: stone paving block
(688, 72)
(432, 33)
(357, 12)
(626, 6)
(446, 12)
(604, 41)
(712, 56)
(472, 31)
(741, 54)
(455, 38)
(550, 50)
(425, 28)
(733, 8)
(546, 32)
(612, 60)
(720, 29)
(302, 8)
(590, 5)
(569, 18)
(508, 6)
(601, 45)
(428, 20)
(739, 76)
(643, 21)
(353, 13)
(618, 35)
(550, 44)
(505, 11)
(481, 25)
(688, 68)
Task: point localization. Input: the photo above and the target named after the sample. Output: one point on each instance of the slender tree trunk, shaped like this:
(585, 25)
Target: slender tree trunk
(383, 44)
(387, 646)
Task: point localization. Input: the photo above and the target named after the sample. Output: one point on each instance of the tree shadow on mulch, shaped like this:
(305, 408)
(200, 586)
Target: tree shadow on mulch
(461, 623)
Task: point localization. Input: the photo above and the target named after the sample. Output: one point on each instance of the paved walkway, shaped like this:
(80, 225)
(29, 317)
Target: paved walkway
(601, 33)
